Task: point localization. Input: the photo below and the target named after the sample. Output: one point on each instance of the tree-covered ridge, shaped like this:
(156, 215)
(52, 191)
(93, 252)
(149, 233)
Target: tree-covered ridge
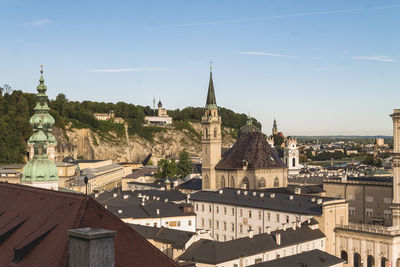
(16, 108)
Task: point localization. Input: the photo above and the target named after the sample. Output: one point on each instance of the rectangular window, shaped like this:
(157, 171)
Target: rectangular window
(259, 214)
(224, 238)
(190, 222)
(368, 212)
(241, 228)
(277, 217)
(233, 211)
(232, 227)
(352, 211)
(351, 197)
(259, 229)
(387, 200)
(155, 224)
(224, 226)
(217, 236)
(217, 209)
(202, 222)
(268, 216)
(209, 208)
(173, 223)
(287, 218)
(240, 213)
(249, 213)
(197, 207)
(179, 223)
(387, 214)
(217, 224)
(202, 207)
(209, 223)
(369, 199)
(322, 243)
(224, 210)
(250, 228)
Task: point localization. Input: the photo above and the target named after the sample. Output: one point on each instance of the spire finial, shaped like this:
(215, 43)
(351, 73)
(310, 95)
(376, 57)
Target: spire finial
(41, 69)
(210, 65)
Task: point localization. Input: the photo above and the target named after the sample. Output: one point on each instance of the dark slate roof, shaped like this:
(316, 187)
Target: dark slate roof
(253, 148)
(304, 189)
(214, 252)
(211, 101)
(131, 206)
(176, 238)
(301, 204)
(34, 224)
(193, 184)
(170, 195)
(312, 258)
(143, 171)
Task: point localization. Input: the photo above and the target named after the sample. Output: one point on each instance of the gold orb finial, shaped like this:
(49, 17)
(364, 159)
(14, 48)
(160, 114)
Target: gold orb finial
(41, 69)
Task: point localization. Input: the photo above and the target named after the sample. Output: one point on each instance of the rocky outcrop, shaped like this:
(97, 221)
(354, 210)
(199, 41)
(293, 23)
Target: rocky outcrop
(86, 144)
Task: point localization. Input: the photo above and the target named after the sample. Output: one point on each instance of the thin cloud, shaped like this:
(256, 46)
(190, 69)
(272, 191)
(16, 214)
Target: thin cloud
(127, 70)
(40, 23)
(375, 58)
(333, 69)
(306, 14)
(267, 54)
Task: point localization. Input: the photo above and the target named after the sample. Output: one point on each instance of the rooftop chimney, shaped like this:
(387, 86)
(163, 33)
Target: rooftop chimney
(96, 195)
(220, 191)
(278, 239)
(268, 230)
(119, 211)
(261, 194)
(245, 193)
(254, 194)
(319, 201)
(158, 211)
(126, 196)
(291, 197)
(115, 195)
(237, 192)
(91, 247)
(294, 226)
(272, 195)
(251, 234)
(298, 224)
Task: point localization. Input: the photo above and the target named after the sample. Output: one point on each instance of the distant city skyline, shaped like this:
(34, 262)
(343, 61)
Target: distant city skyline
(319, 68)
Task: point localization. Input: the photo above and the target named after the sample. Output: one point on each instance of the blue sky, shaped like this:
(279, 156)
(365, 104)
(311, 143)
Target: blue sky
(320, 67)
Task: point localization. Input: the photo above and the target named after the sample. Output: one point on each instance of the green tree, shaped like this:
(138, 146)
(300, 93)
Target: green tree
(166, 168)
(184, 164)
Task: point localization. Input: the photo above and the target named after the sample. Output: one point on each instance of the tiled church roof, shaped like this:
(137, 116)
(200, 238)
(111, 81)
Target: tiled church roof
(253, 148)
(34, 224)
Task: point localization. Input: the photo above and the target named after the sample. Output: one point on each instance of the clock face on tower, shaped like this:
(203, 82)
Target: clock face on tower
(293, 154)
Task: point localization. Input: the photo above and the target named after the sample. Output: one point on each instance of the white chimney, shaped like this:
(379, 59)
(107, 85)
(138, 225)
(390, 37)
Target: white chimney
(245, 193)
(237, 192)
(298, 224)
(313, 199)
(251, 234)
(291, 197)
(105, 206)
(115, 195)
(126, 196)
(261, 194)
(166, 200)
(272, 195)
(96, 195)
(120, 211)
(278, 239)
(158, 211)
(220, 191)
(294, 226)
(254, 194)
(319, 201)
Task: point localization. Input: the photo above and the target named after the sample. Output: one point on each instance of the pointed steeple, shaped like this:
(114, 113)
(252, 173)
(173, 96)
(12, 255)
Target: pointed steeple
(211, 102)
(275, 127)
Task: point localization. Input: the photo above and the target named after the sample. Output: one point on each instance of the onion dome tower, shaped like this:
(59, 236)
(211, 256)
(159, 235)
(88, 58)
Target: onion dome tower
(40, 171)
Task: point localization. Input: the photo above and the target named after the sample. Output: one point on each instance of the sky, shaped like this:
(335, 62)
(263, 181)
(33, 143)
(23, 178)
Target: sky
(319, 67)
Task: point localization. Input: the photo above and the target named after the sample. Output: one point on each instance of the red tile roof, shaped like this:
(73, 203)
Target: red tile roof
(34, 224)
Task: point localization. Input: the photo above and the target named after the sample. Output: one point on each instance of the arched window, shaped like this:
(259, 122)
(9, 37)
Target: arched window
(206, 182)
(293, 162)
(245, 183)
(357, 260)
(384, 262)
(371, 261)
(276, 182)
(261, 183)
(232, 182)
(222, 185)
(206, 132)
(343, 256)
(215, 132)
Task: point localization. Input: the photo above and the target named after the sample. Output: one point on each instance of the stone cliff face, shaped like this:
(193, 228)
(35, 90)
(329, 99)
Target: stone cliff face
(86, 144)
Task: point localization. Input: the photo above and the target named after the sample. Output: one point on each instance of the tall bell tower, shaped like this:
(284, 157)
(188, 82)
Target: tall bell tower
(396, 168)
(210, 138)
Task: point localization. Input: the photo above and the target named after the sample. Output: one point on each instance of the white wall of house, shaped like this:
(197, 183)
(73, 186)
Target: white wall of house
(183, 223)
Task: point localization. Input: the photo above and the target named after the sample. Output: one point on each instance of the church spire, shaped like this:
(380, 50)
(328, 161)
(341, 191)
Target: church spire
(211, 102)
(275, 128)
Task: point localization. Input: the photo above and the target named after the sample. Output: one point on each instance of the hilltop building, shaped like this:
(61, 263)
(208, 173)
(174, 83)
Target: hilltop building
(162, 117)
(251, 163)
(40, 171)
(110, 116)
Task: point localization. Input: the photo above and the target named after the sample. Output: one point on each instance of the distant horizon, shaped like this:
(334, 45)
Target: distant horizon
(318, 67)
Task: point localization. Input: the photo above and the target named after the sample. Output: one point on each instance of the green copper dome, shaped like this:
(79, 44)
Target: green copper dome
(41, 168)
